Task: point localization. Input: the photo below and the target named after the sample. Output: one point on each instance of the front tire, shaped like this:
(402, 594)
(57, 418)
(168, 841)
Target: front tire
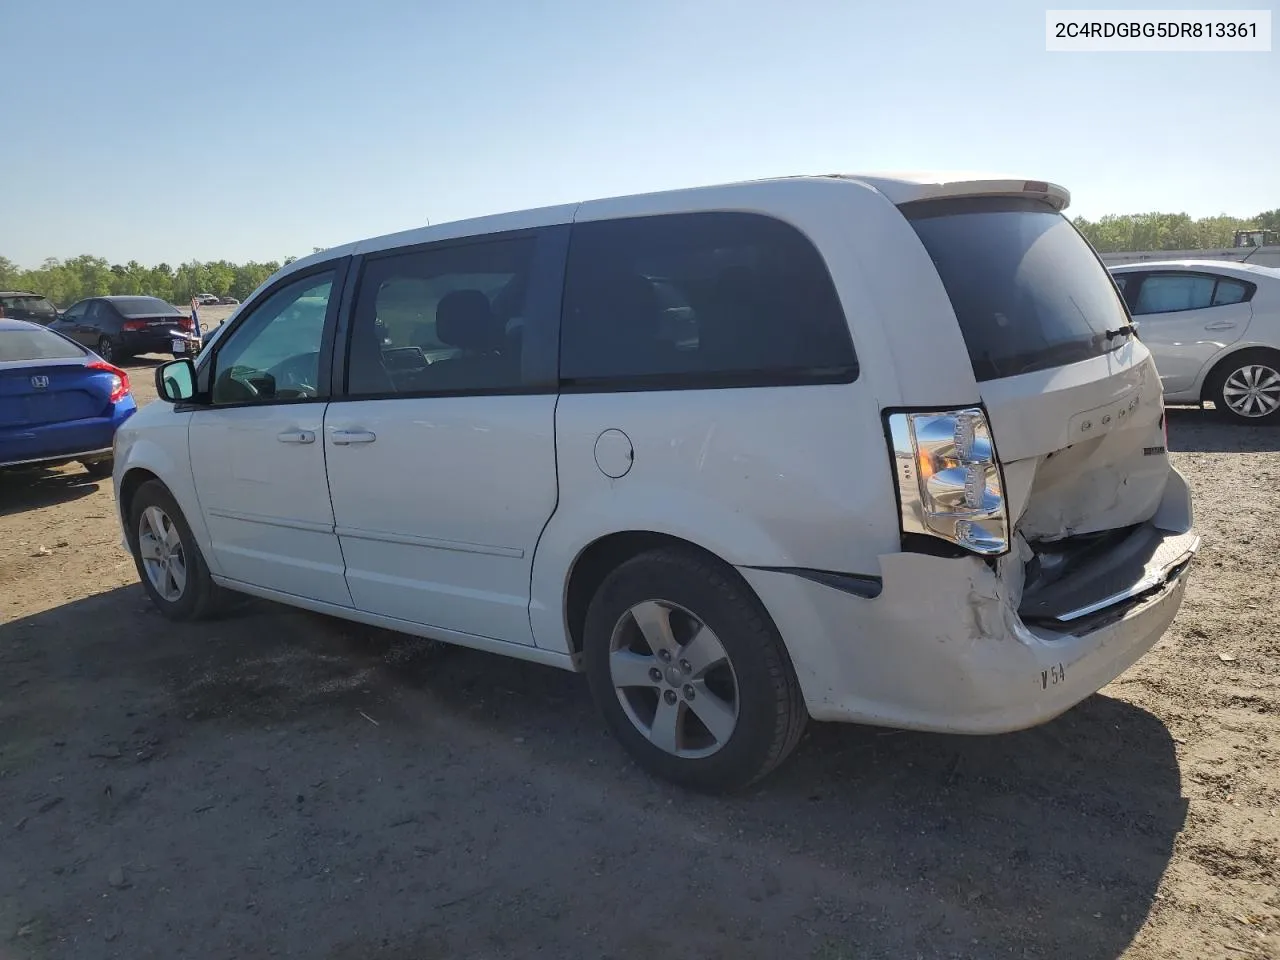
(169, 562)
(1247, 388)
(690, 673)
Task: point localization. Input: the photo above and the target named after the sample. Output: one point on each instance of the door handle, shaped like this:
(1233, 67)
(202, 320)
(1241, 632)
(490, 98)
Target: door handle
(1220, 325)
(344, 437)
(297, 436)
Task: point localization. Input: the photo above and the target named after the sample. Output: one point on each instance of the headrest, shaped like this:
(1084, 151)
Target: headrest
(464, 319)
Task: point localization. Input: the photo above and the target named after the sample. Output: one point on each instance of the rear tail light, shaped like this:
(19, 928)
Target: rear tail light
(949, 483)
(186, 323)
(134, 325)
(119, 379)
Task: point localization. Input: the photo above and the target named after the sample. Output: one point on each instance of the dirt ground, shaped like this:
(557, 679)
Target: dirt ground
(278, 784)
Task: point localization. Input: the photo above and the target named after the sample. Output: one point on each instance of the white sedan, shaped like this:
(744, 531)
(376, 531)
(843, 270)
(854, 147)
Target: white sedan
(1214, 329)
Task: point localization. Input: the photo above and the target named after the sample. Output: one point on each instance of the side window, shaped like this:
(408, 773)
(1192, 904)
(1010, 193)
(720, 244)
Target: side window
(1229, 291)
(700, 299)
(97, 312)
(1121, 279)
(441, 320)
(274, 354)
(75, 312)
(1171, 292)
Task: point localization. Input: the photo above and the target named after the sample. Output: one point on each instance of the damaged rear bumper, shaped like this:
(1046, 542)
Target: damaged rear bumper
(944, 647)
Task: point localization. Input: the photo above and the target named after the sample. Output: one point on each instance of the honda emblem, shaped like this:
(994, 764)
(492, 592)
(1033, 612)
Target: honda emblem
(40, 382)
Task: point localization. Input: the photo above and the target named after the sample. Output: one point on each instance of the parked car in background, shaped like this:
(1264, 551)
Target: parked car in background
(1214, 330)
(58, 401)
(122, 327)
(32, 307)
(205, 299)
(228, 301)
(819, 446)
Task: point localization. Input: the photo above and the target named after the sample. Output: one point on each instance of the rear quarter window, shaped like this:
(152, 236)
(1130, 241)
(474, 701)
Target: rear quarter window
(700, 300)
(1028, 291)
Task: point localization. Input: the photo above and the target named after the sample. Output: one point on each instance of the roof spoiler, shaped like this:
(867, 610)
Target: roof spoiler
(900, 191)
(1057, 197)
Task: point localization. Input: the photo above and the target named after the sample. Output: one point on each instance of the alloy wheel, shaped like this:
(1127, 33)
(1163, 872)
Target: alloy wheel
(163, 558)
(674, 679)
(1252, 391)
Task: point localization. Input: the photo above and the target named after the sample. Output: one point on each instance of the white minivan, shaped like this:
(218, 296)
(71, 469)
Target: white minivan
(870, 449)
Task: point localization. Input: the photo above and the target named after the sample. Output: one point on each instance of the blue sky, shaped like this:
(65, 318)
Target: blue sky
(162, 130)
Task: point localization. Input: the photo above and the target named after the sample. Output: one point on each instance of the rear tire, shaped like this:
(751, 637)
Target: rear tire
(169, 562)
(99, 469)
(690, 672)
(1246, 388)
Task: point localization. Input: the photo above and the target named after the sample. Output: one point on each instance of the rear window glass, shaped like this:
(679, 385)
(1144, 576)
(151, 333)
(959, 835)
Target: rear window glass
(144, 307)
(700, 300)
(20, 345)
(1228, 291)
(30, 307)
(1028, 290)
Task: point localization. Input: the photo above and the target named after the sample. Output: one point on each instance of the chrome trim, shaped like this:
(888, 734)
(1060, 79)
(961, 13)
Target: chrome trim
(409, 540)
(1151, 580)
(58, 458)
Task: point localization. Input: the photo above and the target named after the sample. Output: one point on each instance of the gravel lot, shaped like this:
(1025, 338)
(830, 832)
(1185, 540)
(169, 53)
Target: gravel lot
(280, 784)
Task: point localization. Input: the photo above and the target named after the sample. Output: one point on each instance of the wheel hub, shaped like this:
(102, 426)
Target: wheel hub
(1253, 391)
(163, 558)
(673, 679)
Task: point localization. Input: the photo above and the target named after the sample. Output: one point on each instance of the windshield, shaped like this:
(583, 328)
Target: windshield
(1028, 290)
(35, 308)
(21, 345)
(145, 307)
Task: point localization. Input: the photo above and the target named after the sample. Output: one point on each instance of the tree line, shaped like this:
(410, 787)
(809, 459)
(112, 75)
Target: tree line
(1116, 233)
(66, 281)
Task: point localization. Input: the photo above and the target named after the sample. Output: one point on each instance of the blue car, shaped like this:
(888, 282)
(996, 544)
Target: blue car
(58, 401)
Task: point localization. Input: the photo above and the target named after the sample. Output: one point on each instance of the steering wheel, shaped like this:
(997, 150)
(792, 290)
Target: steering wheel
(296, 374)
(234, 386)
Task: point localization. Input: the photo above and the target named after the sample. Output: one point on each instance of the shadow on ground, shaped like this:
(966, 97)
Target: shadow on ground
(23, 490)
(281, 782)
(1192, 430)
(146, 361)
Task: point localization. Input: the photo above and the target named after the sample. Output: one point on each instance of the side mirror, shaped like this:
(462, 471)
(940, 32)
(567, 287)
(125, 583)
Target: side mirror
(176, 380)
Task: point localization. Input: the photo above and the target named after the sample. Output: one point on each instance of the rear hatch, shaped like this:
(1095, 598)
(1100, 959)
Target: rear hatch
(43, 380)
(1072, 396)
